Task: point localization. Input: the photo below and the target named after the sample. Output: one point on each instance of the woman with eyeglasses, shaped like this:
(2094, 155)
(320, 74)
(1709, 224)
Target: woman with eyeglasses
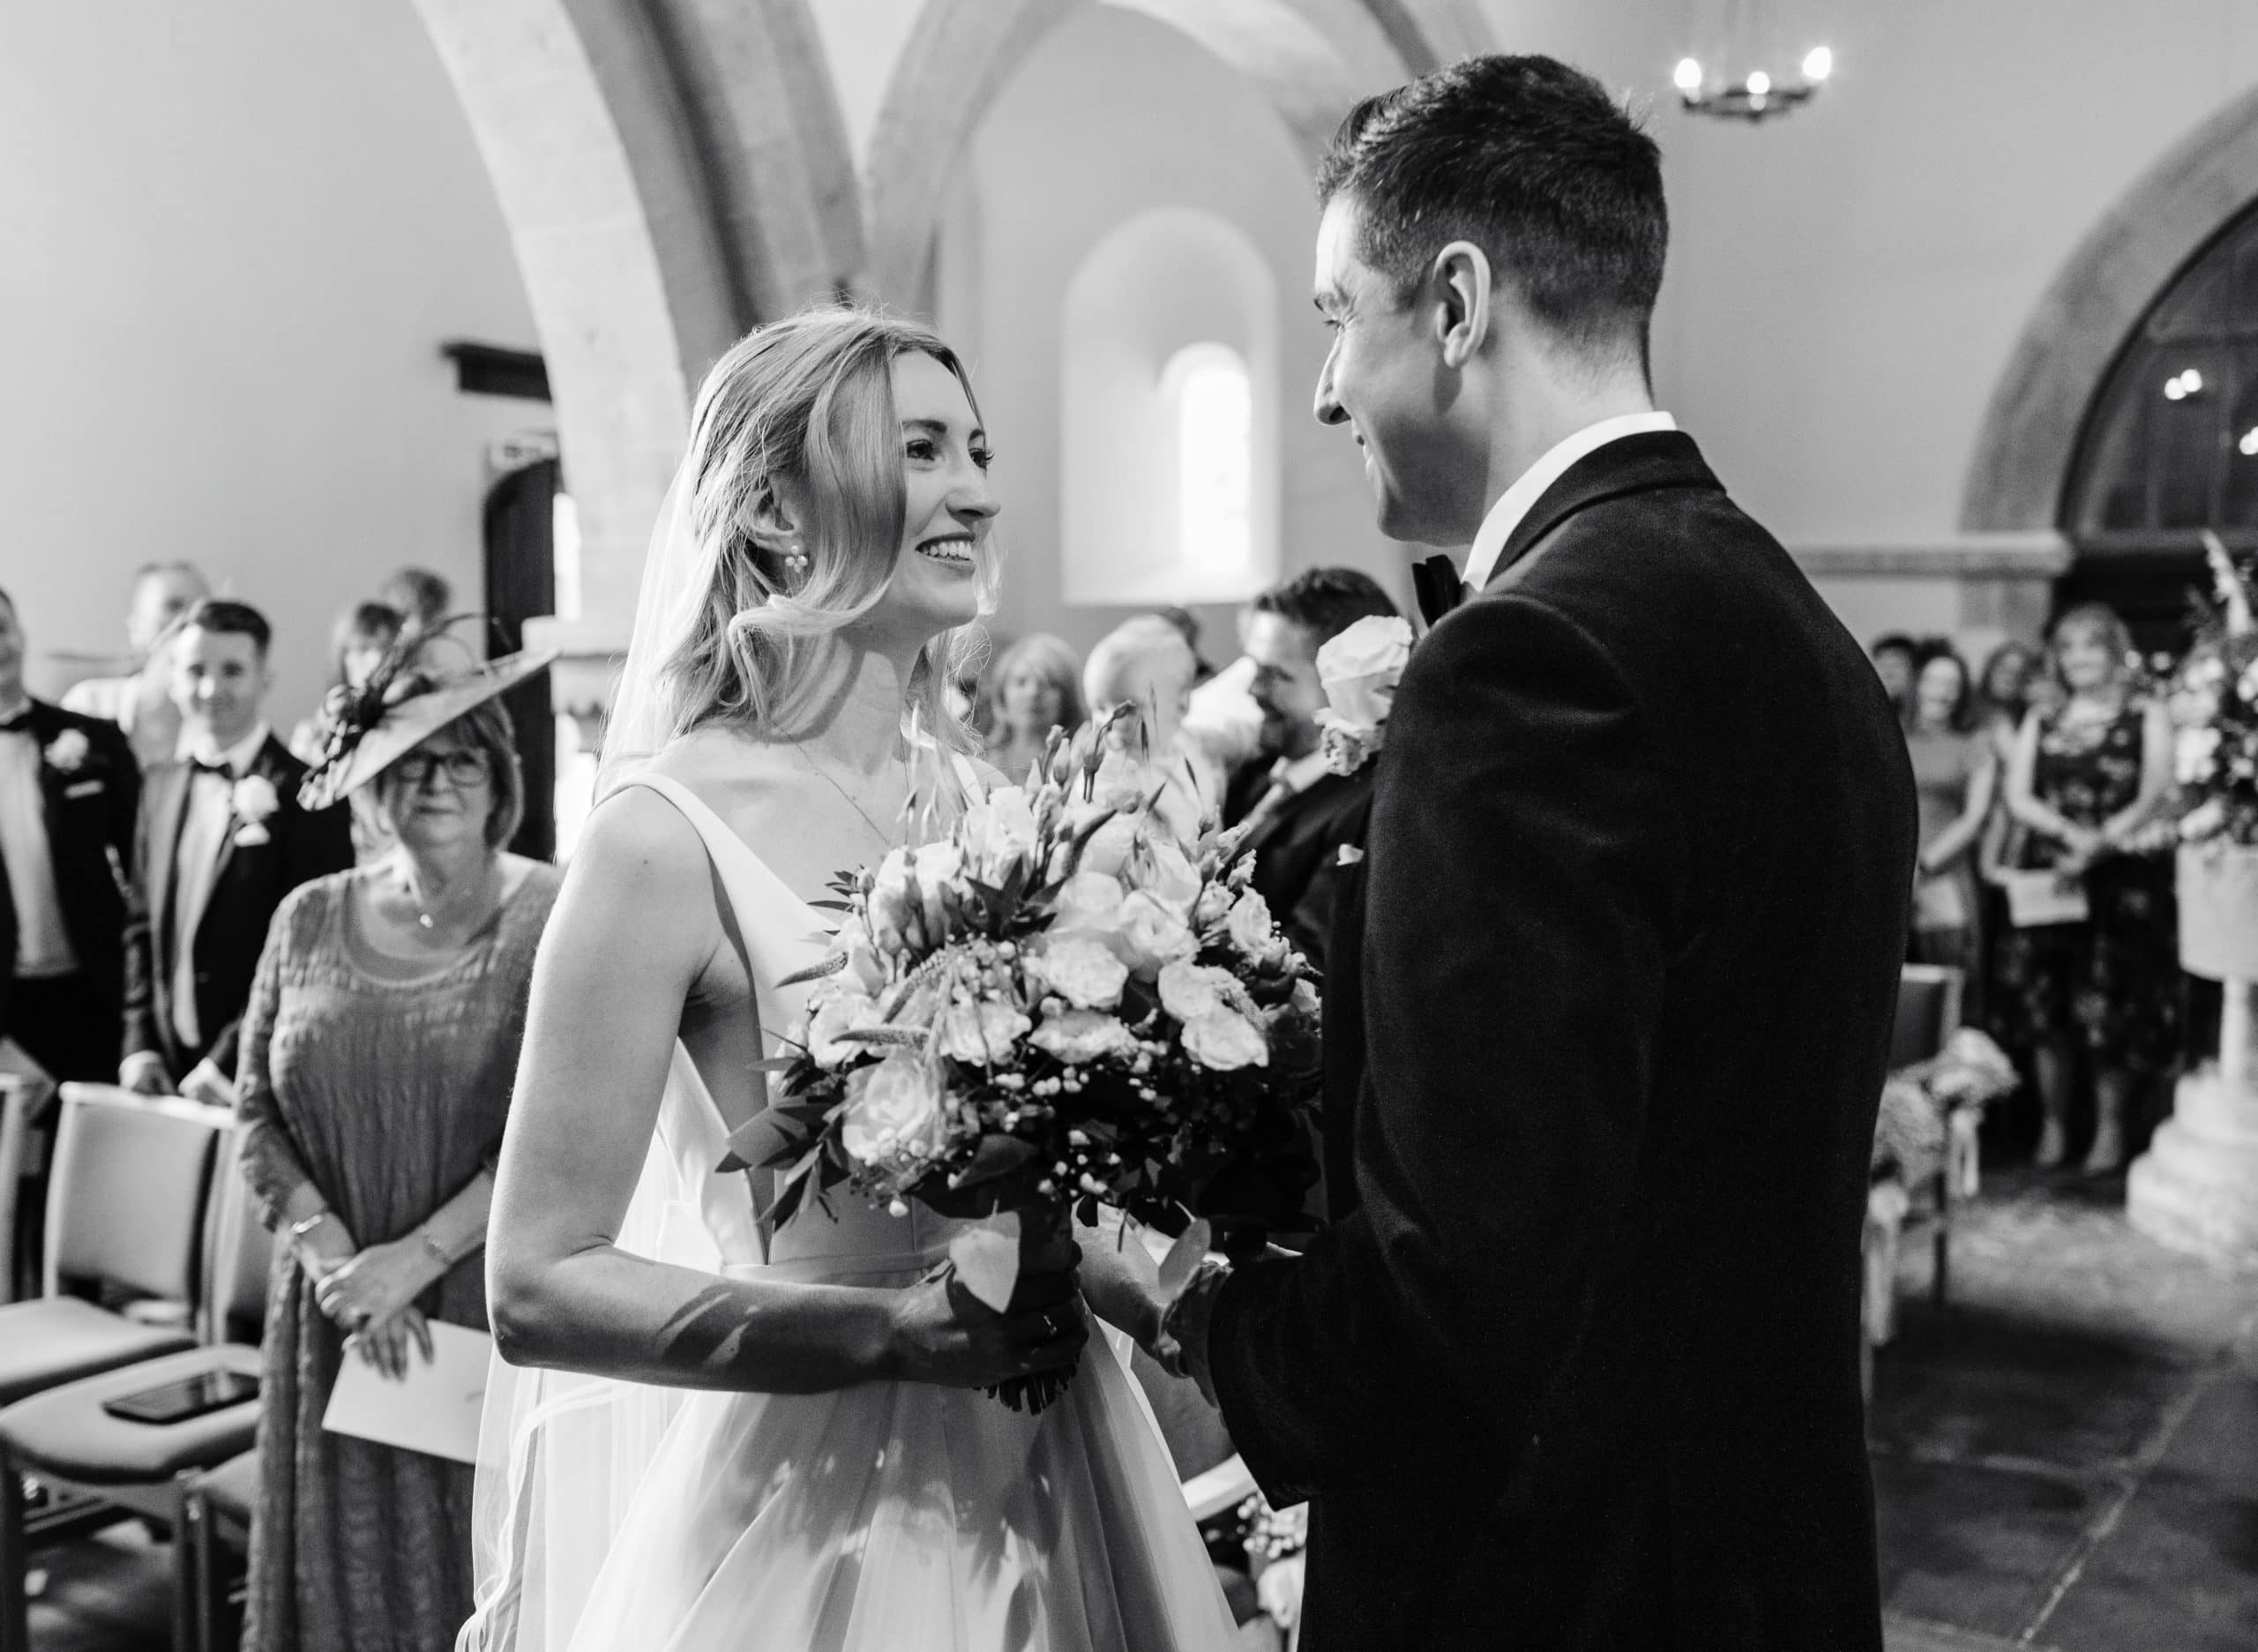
(377, 1055)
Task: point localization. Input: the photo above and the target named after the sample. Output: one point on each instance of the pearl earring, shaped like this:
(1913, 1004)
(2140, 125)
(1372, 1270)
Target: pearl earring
(796, 560)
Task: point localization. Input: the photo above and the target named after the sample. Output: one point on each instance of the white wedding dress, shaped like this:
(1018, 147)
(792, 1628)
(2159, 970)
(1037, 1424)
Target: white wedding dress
(886, 1517)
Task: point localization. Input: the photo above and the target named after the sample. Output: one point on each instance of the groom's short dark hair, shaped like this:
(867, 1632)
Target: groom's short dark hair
(1532, 162)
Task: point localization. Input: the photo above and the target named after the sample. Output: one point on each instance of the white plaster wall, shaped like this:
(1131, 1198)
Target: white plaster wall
(1845, 284)
(236, 235)
(1112, 116)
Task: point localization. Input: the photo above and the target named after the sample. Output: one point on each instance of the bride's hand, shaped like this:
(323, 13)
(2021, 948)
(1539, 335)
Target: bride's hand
(943, 1334)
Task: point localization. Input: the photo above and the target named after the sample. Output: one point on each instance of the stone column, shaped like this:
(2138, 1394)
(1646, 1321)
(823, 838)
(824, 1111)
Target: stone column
(2196, 1188)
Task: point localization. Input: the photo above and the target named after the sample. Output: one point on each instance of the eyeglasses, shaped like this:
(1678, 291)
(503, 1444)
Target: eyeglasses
(467, 767)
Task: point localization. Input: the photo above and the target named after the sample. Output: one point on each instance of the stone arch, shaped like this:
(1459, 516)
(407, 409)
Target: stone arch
(671, 173)
(2028, 438)
(1311, 58)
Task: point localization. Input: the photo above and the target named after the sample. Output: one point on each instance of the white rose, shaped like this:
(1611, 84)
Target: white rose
(1078, 1036)
(1083, 971)
(999, 830)
(1360, 667)
(66, 753)
(1108, 849)
(1191, 990)
(1249, 923)
(981, 1035)
(1225, 1041)
(255, 799)
(897, 1109)
(1088, 901)
(1151, 934)
(839, 1012)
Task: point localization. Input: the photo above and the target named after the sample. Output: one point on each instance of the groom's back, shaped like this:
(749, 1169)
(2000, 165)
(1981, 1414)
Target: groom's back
(1715, 1397)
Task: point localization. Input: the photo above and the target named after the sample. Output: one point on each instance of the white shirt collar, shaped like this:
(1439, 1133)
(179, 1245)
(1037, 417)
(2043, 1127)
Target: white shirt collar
(1298, 775)
(1530, 486)
(238, 757)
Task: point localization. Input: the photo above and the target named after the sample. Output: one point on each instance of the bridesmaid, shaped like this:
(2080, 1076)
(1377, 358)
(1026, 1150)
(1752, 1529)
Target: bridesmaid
(377, 1054)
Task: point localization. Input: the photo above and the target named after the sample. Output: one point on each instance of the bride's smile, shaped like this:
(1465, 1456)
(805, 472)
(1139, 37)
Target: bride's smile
(946, 502)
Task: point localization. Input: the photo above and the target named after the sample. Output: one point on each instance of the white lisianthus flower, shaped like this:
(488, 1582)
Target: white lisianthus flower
(937, 865)
(896, 1109)
(1249, 924)
(2193, 751)
(1225, 1041)
(1083, 971)
(999, 830)
(842, 1011)
(1166, 873)
(1108, 849)
(889, 902)
(981, 1035)
(1214, 904)
(863, 969)
(1088, 901)
(1079, 1035)
(1190, 990)
(1151, 934)
(1360, 667)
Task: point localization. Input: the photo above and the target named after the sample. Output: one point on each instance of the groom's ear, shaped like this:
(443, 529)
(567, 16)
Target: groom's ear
(1460, 283)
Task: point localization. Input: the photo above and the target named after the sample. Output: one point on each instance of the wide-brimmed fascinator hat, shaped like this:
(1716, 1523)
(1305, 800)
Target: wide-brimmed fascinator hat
(409, 698)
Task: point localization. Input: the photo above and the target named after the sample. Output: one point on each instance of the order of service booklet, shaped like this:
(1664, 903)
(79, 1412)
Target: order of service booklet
(434, 1409)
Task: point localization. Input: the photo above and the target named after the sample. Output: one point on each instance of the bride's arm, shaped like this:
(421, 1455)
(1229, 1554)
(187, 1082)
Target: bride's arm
(634, 927)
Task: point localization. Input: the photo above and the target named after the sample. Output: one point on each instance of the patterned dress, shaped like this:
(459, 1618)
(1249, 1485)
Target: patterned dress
(389, 1095)
(2112, 982)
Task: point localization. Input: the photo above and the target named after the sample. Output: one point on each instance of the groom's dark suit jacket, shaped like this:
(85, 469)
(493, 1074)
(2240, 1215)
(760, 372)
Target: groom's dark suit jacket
(1581, 1367)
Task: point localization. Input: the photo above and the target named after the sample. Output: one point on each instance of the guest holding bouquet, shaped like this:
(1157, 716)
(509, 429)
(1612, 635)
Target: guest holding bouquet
(2090, 961)
(377, 1049)
(1956, 776)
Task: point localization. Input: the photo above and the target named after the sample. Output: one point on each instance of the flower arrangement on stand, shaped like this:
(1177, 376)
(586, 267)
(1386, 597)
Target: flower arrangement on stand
(1060, 1004)
(2213, 698)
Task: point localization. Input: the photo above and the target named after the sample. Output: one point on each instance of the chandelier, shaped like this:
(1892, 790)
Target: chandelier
(1741, 67)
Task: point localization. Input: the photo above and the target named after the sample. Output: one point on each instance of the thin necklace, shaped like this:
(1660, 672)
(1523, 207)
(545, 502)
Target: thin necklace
(416, 896)
(808, 757)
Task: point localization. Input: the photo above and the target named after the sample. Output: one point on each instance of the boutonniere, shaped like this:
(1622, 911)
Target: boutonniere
(254, 802)
(1359, 669)
(67, 752)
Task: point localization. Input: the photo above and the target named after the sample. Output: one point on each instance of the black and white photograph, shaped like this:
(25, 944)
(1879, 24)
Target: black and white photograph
(1128, 825)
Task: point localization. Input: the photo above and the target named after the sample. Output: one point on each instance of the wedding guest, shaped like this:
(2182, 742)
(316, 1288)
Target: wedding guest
(68, 792)
(377, 1052)
(141, 704)
(420, 597)
(1036, 685)
(361, 637)
(1296, 812)
(1137, 681)
(221, 838)
(2011, 676)
(2085, 780)
(1895, 657)
(1956, 776)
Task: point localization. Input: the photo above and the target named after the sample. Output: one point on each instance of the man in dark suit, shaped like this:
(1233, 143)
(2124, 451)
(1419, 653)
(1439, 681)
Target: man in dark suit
(221, 842)
(68, 793)
(1297, 812)
(1582, 1367)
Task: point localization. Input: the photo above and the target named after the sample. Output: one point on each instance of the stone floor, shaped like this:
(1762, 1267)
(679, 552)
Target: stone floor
(2065, 1455)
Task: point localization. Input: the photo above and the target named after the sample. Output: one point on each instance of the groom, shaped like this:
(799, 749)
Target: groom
(1581, 1369)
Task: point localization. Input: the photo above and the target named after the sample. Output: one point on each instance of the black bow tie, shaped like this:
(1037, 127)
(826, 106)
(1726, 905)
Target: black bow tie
(223, 770)
(18, 723)
(1436, 583)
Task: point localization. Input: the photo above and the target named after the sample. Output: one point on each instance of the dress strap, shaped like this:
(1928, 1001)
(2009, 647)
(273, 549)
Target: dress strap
(782, 934)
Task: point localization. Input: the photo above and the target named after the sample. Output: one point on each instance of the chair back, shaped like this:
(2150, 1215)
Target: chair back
(239, 1255)
(1928, 1012)
(127, 1191)
(19, 1096)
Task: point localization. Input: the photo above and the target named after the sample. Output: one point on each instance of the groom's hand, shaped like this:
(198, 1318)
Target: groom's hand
(943, 1334)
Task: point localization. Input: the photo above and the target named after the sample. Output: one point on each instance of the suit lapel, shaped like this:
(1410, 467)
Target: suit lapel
(167, 808)
(1632, 464)
(264, 763)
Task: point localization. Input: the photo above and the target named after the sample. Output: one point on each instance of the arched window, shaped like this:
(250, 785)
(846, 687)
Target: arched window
(2170, 445)
(1208, 394)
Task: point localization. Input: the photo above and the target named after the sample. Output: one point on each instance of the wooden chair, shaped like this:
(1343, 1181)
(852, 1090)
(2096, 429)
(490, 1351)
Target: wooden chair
(1929, 997)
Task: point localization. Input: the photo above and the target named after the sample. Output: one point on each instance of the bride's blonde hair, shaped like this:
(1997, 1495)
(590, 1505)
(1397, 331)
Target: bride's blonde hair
(804, 407)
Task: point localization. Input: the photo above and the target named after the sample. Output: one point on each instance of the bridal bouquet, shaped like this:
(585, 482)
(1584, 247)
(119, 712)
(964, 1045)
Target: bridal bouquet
(1060, 1004)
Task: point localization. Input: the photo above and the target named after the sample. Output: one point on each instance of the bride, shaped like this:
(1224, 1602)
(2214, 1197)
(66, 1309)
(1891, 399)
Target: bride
(707, 1437)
